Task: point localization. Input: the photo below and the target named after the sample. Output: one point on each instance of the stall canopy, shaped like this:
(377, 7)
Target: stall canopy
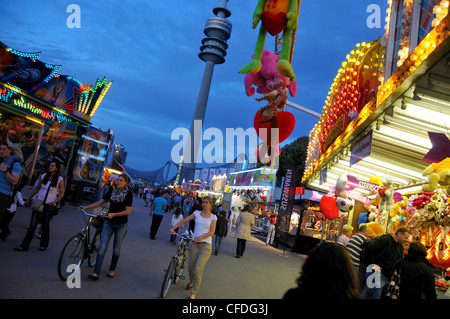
(392, 134)
(30, 84)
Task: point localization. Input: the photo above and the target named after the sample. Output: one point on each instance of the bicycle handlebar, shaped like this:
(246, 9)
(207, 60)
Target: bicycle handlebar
(188, 237)
(101, 216)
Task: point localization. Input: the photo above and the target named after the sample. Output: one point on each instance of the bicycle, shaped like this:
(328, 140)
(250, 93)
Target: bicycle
(176, 264)
(80, 247)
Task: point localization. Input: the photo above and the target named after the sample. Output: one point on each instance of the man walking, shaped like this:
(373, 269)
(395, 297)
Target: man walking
(380, 257)
(157, 210)
(10, 171)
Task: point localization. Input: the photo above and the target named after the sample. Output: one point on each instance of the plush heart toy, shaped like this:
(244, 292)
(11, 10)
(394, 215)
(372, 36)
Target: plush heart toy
(286, 124)
(273, 23)
(329, 208)
(273, 17)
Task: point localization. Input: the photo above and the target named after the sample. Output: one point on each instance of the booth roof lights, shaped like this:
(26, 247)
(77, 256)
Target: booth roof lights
(433, 39)
(14, 95)
(54, 68)
(86, 99)
(106, 85)
(33, 55)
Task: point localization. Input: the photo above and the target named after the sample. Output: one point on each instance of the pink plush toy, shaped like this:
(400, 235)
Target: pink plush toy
(268, 78)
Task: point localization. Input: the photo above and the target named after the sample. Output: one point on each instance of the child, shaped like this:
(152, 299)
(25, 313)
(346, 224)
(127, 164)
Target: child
(221, 231)
(176, 218)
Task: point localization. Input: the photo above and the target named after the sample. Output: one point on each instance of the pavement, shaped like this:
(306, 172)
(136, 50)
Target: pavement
(264, 272)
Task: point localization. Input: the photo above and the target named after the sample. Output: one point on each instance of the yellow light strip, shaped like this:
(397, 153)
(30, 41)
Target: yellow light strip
(434, 38)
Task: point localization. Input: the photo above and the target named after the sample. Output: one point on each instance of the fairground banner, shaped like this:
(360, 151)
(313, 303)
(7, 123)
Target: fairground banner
(286, 203)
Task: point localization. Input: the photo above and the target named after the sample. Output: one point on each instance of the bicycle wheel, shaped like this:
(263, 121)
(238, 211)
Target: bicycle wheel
(71, 257)
(168, 277)
(93, 248)
(180, 266)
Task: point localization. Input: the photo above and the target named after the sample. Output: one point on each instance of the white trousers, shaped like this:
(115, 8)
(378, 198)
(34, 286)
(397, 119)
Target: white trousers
(270, 234)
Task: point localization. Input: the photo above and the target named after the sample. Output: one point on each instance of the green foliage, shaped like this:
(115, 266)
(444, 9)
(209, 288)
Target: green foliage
(293, 153)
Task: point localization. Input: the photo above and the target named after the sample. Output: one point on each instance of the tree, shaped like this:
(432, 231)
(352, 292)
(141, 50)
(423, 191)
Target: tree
(295, 153)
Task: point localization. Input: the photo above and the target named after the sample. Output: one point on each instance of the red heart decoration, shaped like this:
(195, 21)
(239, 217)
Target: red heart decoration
(286, 124)
(273, 23)
(328, 207)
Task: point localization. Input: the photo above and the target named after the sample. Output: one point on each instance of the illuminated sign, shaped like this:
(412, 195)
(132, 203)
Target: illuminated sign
(14, 98)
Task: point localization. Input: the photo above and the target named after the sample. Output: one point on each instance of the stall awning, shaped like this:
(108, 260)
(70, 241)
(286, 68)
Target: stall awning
(398, 133)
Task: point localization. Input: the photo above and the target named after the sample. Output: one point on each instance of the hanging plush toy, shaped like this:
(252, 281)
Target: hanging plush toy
(272, 129)
(328, 207)
(438, 173)
(268, 78)
(344, 204)
(275, 16)
(386, 194)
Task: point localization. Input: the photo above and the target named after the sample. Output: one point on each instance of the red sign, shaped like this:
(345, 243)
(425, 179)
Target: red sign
(299, 190)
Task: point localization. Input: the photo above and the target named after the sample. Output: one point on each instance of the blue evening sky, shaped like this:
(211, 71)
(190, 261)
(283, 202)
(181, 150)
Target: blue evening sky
(149, 49)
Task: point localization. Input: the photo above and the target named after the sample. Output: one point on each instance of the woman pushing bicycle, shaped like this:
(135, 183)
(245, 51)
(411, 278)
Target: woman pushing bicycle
(116, 222)
(205, 226)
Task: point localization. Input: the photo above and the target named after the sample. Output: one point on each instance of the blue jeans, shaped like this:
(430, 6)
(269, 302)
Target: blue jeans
(108, 230)
(218, 242)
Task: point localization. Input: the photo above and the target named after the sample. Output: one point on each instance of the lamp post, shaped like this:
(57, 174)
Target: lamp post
(213, 51)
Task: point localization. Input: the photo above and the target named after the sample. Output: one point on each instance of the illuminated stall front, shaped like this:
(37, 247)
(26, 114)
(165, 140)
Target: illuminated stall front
(385, 120)
(253, 186)
(44, 113)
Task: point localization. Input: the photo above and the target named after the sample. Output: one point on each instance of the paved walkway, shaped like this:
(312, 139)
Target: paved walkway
(263, 272)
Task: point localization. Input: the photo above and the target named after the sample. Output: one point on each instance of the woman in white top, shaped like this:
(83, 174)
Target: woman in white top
(51, 180)
(205, 226)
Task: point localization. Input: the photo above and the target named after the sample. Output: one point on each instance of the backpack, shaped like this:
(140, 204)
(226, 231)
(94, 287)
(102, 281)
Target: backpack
(12, 159)
(365, 257)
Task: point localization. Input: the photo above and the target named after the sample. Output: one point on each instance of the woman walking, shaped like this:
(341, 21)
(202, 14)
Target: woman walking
(244, 225)
(200, 251)
(49, 190)
(121, 201)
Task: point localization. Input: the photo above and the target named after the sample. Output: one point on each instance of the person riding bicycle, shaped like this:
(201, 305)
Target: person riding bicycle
(205, 226)
(116, 222)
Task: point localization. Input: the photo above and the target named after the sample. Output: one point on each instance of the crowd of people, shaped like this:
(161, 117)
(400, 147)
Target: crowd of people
(46, 197)
(358, 265)
(365, 266)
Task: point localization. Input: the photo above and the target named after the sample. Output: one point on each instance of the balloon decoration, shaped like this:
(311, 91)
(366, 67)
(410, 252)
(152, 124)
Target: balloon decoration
(273, 76)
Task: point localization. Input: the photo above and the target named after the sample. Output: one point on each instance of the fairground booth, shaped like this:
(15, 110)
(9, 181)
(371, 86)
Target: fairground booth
(382, 142)
(45, 116)
(252, 186)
